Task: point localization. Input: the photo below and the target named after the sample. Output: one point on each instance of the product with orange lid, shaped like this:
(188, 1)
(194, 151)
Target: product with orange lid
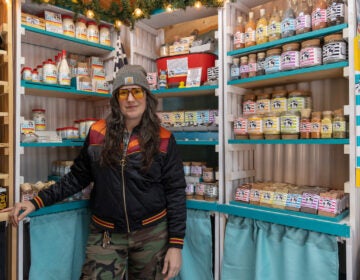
(315, 125)
(239, 34)
(310, 53)
(305, 124)
(261, 28)
(318, 15)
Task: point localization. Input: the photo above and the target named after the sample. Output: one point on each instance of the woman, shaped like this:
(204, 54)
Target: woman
(138, 202)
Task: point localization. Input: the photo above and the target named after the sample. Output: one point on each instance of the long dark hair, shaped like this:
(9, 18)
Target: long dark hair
(149, 138)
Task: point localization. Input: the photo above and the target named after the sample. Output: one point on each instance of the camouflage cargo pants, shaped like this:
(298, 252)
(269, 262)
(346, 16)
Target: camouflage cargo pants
(140, 254)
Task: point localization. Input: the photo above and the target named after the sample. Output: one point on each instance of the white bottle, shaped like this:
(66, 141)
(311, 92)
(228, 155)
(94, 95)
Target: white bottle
(64, 71)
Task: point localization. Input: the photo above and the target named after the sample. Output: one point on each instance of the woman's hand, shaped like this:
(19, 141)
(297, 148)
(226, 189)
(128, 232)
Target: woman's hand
(172, 263)
(25, 207)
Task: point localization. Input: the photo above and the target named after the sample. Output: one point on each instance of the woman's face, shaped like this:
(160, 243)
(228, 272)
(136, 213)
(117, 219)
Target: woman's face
(132, 101)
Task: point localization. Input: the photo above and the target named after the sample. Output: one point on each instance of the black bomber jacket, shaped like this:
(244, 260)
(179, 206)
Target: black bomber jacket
(124, 198)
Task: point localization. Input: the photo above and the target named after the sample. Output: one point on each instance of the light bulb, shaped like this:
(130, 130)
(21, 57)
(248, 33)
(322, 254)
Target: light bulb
(46, 1)
(169, 8)
(197, 4)
(90, 14)
(118, 24)
(138, 12)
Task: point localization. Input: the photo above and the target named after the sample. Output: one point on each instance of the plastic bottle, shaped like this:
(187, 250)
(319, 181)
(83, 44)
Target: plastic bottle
(64, 71)
(326, 124)
(303, 17)
(318, 15)
(261, 28)
(250, 29)
(239, 34)
(274, 26)
(288, 23)
(235, 69)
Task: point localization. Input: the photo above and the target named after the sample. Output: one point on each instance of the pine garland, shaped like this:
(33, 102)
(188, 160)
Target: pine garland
(123, 10)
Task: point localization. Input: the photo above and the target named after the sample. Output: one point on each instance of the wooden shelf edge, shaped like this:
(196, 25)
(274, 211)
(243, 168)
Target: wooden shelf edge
(4, 176)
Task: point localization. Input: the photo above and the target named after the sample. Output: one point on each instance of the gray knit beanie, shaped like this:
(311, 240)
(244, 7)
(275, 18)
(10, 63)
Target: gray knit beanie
(131, 75)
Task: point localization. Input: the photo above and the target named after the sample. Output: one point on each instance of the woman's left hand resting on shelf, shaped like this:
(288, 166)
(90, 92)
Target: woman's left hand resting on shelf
(25, 207)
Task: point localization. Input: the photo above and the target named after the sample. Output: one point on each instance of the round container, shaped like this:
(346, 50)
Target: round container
(92, 32)
(71, 132)
(334, 49)
(82, 129)
(260, 64)
(290, 57)
(315, 125)
(252, 65)
(290, 125)
(196, 169)
(200, 190)
(339, 124)
(208, 175)
(104, 35)
(271, 125)
(279, 101)
(35, 76)
(26, 73)
(244, 67)
(38, 116)
(255, 127)
(235, 69)
(310, 53)
(273, 61)
(190, 190)
(186, 165)
(318, 15)
(68, 25)
(49, 72)
(88, 123)
(81, 29)
(326, 125)
(263, 103)
(335, 13)
(297, 100)
(211, 191)
(305, 124)
(249, 104)
(240, 127)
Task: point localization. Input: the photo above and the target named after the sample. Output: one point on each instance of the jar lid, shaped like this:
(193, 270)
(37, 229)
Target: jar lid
(311, 43)
(39, 66)
(66, 16)
(273, 51)
(252, 56)
(291, 47)
(38, 110)
(81, 20)
(244, 59)
(279, 93)
(25, 68)
(249, 97)
(260, 55)
(333, 38)
(316, 115)
(91, 22)
(263, 96)
(104, 26)
(91, 119)
(298, 93)
(49, 61)
(34, 71)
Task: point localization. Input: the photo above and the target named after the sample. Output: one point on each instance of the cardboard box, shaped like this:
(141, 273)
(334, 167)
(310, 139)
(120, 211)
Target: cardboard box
(179, 49)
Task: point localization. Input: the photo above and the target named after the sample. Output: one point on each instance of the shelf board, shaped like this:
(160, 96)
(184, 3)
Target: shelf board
(296, 38)
(326, 71)
(202, 205)
(196, 137)
(4, 176)
(331, 141)
(4, 114)
(64, 143)
(4, 145)
(334, 226)
(4, 217)
(197, 143)
(185, 92)
(38, 37)
(39, 89)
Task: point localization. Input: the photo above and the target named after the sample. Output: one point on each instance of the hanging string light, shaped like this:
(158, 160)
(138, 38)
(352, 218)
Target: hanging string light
(197, 4)
(138, 12)
(89, 13)
(118, 24)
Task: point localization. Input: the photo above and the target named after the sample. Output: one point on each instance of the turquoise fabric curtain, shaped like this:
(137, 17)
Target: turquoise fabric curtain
(256, 250)
(197, 252)
(58, 244)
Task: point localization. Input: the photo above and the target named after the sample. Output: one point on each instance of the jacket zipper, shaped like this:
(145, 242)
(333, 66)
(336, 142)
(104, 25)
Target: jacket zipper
(123, 163)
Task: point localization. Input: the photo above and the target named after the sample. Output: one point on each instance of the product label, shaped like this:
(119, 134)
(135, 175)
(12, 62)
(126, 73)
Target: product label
(293, 200)
(69, 29)
(39, 120)
(250, 35)
(315, 126)
(272, 64)
(310, 200)
(249, 107)
(335, 11)
(305, 126)
(280, 198)
(93, 35)
(27, 127)
(200, 188)
(267, 197)
(310, 57)
(187, 170)
(234, 72)
(255, 195)
(271, 125)
(242, 195)
(196, 170)
(263, 106)
(252, 67)
(202, 117)
(296, 103)
(261, 32)
(326, 127)
(240, 126)
(318, 17)
(278, 104)
(239, 38)
(288, 25)
(274, 28)
(335, 51)
(328, 204)
(81, 31)
(289, 124)
(339, 126)
(190, 189)
(211, 190)
(244, 69)
(303, 22)
(290, 60)
(255, 126)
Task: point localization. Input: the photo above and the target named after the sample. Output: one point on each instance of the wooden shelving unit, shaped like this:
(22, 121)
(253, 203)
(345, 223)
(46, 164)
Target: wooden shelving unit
(7, 128)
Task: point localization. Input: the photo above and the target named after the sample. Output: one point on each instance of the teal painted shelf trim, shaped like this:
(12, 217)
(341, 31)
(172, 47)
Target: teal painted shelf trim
(357, 119)
(64, 143)
(305, 221)
(293, 141)
(182, 90)
(202, 205)
(68, 38)
(296, 38)
(357, 99)
(197, 143)
(358, 141)
(358, 162)
(61, 207)
(299, 71)
(67, 89)
(357, 79)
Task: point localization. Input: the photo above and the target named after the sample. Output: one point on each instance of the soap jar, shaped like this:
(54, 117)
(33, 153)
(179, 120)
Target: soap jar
(273, 61)
(290, 124)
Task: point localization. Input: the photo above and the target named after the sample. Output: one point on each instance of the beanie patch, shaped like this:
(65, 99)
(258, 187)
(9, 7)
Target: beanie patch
(129, 80)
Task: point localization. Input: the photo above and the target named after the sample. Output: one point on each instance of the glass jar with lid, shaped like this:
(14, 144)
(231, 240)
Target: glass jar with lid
(235, 69)
(92, 32)
(290, 56)
(310, 53)
(81, 29)
(271, 125)
(305, 124)
(290, 124)
(303, 18)
(68, 25)
(335, 13)
(326, 124)
(104, 35)
(244, 67)
(252, 65)
(255, 127)
(315, 125)
(297, 100)
(334, 49)
(279, 101)
(240, 127)
(260, 64)
(339, 124)
(263, 103)
(318, 15)
(249, 104)
(273, 61)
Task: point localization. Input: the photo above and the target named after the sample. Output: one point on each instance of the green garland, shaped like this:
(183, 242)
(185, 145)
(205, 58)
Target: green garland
(123, 10)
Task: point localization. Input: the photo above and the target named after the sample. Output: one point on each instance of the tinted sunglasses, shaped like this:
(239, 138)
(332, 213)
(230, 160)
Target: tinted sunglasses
(123, 93)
